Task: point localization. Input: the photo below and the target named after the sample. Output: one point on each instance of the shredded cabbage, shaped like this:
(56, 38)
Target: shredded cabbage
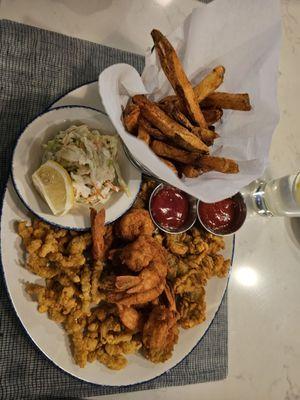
(90, 158)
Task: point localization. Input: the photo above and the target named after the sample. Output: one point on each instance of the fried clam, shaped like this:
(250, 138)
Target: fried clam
(144, 194)
(177, 244)
(52, 252)
(192, 281)
(192, 309)
(57, 303)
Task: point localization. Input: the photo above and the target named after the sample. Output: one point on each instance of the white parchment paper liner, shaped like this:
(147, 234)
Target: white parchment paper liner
(244, 36)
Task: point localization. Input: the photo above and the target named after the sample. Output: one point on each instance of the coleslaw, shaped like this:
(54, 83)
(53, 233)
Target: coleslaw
(90, 158)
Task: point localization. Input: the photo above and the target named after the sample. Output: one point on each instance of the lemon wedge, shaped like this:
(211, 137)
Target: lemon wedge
(54, 184)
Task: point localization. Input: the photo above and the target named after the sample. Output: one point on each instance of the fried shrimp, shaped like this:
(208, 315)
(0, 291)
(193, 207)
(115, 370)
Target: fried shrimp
(148, 257)
(130, 318)
(135, 223)
(98, 231)
(138, 254)
(137, 298)
(160, 334)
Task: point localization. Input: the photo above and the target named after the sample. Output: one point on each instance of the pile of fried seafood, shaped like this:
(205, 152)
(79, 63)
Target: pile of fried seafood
(124, 287)
(179, 128)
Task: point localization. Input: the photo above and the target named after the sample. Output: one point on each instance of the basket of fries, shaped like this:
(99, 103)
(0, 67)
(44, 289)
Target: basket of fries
(195, 122)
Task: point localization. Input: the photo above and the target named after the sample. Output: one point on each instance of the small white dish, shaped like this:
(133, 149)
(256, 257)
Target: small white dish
(28, 155)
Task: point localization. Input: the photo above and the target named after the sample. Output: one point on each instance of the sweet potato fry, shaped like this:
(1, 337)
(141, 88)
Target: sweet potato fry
(205, 163)
(191, 172)
(212, 115)
(143, 134)
(153, 132)
(210, 83)
(174, 71)
(173, 110)
(131, 115)
(182, 119)
(232, 101)
(170, 128)
(167, 151)
(207, 135)
(169, 164)
(168, 101)
(220, 164)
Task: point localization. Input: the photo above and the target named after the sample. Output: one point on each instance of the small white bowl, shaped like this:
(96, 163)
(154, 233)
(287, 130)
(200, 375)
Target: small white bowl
(28, 155)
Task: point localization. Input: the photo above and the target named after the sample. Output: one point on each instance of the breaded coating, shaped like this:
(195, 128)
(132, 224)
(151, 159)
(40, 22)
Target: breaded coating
(160, 334)
(134, 223)
(192, 310)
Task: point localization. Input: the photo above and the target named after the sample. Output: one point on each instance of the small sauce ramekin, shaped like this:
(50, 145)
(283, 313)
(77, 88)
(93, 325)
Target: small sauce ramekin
(191, 217)
(240, 213)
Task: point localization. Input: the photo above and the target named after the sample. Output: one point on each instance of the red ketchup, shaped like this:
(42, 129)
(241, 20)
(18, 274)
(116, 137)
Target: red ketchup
(221, 217)
(170, 207)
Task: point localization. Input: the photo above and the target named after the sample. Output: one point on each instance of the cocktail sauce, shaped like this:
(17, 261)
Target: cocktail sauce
(222, 217)
(170, 207)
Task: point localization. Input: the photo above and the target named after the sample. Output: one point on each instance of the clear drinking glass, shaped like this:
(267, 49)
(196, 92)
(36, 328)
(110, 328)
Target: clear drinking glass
(278, 197)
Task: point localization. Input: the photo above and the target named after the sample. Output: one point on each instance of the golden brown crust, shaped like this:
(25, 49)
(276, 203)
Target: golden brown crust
(134, 223)
(79, 296)
(98, 231)
(174, 111)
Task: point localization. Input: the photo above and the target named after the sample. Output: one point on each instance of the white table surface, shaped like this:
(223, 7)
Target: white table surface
(264, 290)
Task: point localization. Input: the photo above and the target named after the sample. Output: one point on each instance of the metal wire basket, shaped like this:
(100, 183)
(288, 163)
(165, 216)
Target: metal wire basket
(141, 167)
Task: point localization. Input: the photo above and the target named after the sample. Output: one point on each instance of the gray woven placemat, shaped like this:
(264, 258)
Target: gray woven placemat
(37, 67)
